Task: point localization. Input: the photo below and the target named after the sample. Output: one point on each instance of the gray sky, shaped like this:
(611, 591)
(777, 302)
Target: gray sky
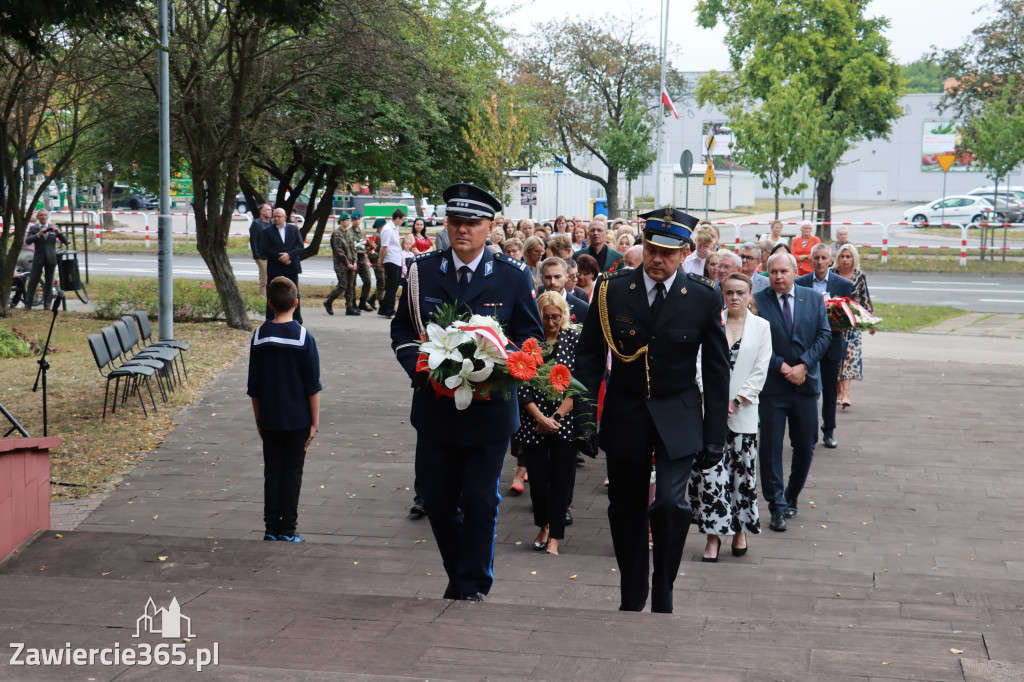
(915, 25)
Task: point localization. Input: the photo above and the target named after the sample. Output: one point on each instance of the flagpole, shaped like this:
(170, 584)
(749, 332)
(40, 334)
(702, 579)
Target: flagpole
(663, 44)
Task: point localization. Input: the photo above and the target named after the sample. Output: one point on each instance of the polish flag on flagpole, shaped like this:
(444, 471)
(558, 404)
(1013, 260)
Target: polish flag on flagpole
(667, 101)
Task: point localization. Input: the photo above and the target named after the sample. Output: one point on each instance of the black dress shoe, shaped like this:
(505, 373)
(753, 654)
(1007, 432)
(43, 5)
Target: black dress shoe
(473, 596)
(713, 559)
(328, 307)
(778, 523)
(830, 441)
(363, 306)
(352, 311)
(417, 509)
(568, 517)
(450, 593)
(540, 546)
(790, 512)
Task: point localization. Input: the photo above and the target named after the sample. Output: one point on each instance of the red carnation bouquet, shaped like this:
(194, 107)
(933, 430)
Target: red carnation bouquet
(367, 245)
(845, 314)
(470, 358)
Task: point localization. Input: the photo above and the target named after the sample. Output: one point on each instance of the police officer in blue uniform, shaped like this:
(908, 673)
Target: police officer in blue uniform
(653, 320)
(459, 453)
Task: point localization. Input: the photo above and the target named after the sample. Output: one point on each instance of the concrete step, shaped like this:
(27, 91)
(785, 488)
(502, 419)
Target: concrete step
(276, 607)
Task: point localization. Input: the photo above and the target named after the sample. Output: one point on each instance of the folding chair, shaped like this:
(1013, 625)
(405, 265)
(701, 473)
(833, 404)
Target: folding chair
(146, 334)
(115, 351)
(132, 374)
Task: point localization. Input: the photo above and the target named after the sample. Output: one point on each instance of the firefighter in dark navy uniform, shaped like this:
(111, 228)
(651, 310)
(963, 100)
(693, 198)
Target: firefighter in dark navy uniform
(653, 320)
(459, 453)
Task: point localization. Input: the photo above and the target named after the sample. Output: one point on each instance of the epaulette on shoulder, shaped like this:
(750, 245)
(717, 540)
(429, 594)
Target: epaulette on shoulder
(607, 276)
(428, 254)
(509, 260)
(702, 279)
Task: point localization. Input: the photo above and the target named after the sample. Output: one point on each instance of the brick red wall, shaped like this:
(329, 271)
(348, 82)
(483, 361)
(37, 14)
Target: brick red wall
(24, 489)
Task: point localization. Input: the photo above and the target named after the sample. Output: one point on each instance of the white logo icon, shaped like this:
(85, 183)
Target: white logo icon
(165, 622)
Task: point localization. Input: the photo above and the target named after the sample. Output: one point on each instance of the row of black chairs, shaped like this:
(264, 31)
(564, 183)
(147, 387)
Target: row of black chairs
(126, 350)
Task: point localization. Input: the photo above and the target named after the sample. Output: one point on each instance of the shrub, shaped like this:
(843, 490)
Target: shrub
(194, 300)
(13, 344)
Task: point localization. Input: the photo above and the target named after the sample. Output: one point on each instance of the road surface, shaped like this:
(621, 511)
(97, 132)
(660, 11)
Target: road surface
(982, 293)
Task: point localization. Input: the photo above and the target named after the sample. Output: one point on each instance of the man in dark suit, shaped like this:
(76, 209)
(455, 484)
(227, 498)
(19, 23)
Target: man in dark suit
(829, 285)
(44, 235)
(553, 276)
(800, 337)
(459, 453)
(282, 247)
(654, 319)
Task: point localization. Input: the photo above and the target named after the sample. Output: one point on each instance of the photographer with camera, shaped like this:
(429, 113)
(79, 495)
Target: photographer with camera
(44, 235)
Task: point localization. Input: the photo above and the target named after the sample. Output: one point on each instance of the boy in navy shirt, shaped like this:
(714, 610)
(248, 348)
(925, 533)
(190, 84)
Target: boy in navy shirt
(284, 384)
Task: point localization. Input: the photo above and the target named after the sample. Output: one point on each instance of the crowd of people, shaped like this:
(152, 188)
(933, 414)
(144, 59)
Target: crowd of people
(691, 418)
(696, 360)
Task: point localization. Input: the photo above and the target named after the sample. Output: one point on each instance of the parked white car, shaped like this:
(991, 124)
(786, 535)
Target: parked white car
(960, 209)
(1014, 193)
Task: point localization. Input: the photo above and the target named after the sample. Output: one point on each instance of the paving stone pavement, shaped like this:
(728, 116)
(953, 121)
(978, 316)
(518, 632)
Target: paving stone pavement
(904, 562)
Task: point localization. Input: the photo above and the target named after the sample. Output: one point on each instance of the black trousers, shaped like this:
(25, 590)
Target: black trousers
(460, 491)
(629, 512)
(283, 459)
(38, 268)
(298, 309)
(829, 379)
(392, 276)
(19, 289)
(551, 466)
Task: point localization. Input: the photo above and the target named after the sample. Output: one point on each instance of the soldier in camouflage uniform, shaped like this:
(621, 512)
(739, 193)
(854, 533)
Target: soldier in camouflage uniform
(362, 263)
(378, 267)
(343, 248)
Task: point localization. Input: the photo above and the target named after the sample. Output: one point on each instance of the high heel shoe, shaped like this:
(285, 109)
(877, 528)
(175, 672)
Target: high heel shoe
(738, 551)
(540, 546)
(714, 559)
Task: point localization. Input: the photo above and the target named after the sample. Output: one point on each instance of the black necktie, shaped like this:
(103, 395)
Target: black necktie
(787, 313)
(659, 300)
(464, 278)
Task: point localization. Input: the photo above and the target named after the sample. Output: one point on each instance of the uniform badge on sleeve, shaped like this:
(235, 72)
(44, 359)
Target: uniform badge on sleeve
(444, 265)
(488, 268)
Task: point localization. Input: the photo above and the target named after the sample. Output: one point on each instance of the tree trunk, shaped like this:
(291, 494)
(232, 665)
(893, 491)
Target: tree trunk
(778, 188)
(825, 205)
(612, 193)
(108, 200)
(212, 241)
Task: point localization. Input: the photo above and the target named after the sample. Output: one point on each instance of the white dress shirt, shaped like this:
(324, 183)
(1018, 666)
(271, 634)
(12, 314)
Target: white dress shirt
(389, 238)
(472, 265)
(651, 286)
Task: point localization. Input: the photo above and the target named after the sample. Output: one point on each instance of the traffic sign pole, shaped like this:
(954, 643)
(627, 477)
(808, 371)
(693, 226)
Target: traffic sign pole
(945, 162)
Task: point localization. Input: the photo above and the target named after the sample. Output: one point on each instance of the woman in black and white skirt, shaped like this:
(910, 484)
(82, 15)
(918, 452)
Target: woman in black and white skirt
(546, 430)
(724, 498)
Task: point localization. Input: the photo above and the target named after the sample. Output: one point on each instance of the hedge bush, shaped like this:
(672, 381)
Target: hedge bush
(194, 300)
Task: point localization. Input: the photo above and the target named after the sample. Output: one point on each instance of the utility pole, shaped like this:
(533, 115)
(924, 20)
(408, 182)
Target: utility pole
(165, 238)
(663, 30)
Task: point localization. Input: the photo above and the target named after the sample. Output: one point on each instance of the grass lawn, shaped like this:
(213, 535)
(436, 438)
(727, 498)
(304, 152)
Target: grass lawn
(899, 317)
(94, 451)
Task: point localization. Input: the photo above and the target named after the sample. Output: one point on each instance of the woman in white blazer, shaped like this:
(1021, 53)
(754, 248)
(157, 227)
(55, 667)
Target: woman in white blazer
(724, 498)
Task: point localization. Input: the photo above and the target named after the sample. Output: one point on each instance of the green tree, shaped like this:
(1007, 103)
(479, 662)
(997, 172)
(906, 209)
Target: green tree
(924, 75)
(842, 54)
(628, 146)
(775, 137)
(995, 134)
(985, 62)
(46, 106)
(589, 75)
(498, 134)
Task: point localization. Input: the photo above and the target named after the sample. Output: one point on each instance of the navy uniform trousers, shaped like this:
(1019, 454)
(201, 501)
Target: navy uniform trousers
(459, 453)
